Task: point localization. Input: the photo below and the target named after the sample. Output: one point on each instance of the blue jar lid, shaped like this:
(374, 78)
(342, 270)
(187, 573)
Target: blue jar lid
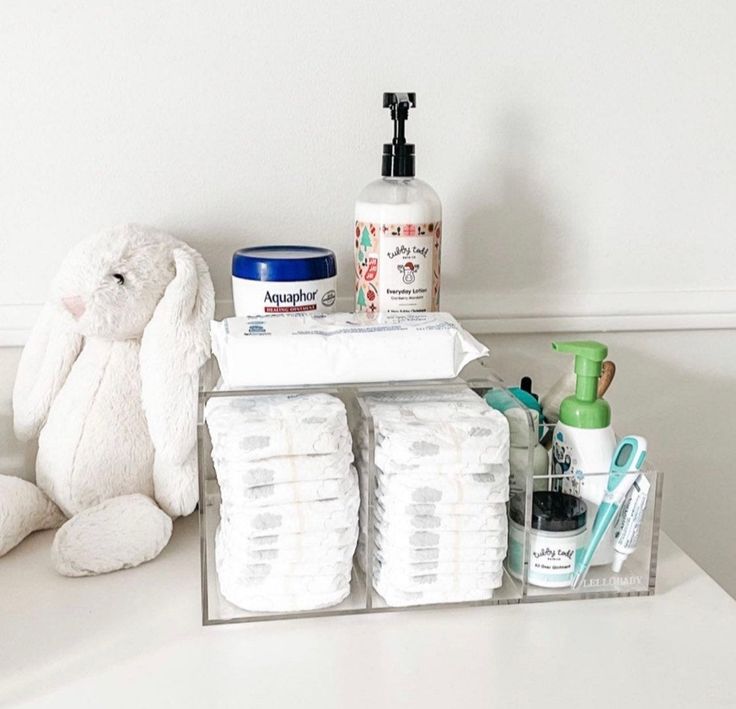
(284, 263)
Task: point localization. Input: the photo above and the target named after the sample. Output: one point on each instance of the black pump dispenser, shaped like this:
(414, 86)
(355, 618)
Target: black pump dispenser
(398, 155)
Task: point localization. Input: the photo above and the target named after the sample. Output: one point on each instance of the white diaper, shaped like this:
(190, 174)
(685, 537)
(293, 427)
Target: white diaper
(392, 506)
(304, 561)
(304, 540)
(281, 585)
(289, 500)
(465, 440)
(297, 518)
(322, 410)
(427, 411)
(408, 554)
(445, 539)
(398, 598)
(310, 554)
(282, 469)
(272, 602)
(490, 471)
(256, 427)
(276, 438)
(434, 490)
(403, 580)
(392, 525)
(286, 493)
(443, 568)
(440, 487)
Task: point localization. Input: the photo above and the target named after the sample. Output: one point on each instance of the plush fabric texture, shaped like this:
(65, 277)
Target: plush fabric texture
(116, 534)
(108, 382)
(24, 509)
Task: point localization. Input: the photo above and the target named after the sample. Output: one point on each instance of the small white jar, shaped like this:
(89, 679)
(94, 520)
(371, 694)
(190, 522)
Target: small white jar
(270, 280)
(557, 538)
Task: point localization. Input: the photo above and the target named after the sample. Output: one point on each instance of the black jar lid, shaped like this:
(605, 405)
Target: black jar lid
(551, 511)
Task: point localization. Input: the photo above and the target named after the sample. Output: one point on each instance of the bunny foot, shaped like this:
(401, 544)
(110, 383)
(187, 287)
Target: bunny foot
(24, 509)
(119, 533)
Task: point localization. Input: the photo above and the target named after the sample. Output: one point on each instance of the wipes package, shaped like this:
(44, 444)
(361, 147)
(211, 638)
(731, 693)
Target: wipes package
(341, 348)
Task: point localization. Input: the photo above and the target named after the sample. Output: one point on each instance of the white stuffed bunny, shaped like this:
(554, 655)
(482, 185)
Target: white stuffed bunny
(108, 381)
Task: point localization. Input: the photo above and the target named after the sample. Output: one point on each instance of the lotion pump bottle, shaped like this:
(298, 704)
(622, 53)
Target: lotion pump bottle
(584, 441)
(398, 229)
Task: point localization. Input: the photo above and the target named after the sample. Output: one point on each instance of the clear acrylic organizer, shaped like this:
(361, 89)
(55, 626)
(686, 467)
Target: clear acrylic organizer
(637, 577)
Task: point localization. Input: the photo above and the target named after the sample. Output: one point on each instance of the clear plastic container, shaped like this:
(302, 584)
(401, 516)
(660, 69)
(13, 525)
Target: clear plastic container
(636, 577)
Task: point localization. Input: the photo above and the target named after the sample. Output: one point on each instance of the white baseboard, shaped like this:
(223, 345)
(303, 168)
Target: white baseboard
(521, 313)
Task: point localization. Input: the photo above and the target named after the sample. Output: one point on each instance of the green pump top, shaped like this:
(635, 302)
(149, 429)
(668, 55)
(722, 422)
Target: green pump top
(584, 409)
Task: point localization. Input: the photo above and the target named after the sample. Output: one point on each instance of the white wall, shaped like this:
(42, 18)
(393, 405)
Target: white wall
(578, 147)
(585, 154)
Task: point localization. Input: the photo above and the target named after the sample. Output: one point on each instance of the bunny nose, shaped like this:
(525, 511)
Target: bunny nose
(75, 305)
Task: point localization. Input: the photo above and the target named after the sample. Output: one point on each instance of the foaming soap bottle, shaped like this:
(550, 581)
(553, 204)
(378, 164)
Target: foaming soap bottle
(398, 229)
(584, 441)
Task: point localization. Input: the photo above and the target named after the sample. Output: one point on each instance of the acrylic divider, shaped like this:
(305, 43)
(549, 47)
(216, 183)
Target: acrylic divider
(216, 609)
(511, 589)
(637, 577)
(638, 573)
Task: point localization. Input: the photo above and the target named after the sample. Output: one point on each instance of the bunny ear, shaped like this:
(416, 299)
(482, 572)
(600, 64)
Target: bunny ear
(174, 346)
(48, 356)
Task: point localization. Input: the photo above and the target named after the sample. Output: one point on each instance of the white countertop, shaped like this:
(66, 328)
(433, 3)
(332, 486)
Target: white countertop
(134, 639)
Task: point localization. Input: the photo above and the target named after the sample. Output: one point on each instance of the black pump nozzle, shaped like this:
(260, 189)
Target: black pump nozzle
(398, 156)
(526, 385)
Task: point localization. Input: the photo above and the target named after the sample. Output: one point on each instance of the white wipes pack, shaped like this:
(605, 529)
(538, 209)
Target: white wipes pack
(341, 348)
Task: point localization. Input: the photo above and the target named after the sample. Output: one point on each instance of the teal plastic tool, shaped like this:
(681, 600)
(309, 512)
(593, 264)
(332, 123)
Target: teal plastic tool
(629, 456)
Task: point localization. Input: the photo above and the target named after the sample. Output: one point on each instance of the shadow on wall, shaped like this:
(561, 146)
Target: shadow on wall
(514, 224)
(681, 411)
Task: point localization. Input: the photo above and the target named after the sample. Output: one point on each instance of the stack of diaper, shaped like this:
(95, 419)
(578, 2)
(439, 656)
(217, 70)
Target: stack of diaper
(289, 509)
(439, 493)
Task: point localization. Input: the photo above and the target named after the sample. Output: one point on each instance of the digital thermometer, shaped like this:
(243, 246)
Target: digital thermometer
(629, 456)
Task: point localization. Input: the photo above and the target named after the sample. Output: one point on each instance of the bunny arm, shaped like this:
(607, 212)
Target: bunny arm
(44, 366)
(174, 346)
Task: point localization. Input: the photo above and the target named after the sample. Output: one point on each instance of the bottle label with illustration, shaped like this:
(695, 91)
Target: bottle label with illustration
(565, 465)
(397, 267)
